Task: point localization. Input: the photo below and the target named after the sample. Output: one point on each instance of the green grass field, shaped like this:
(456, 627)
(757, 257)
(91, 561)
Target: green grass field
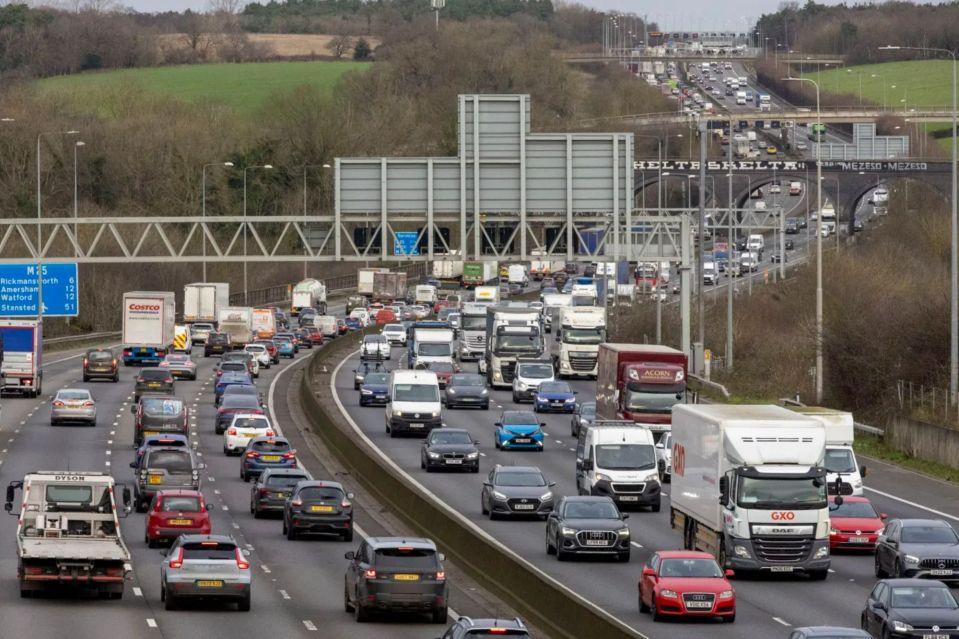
(245, 87)
(900, 85)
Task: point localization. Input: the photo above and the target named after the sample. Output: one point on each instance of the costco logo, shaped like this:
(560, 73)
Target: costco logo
(144, 307)
(783, 516)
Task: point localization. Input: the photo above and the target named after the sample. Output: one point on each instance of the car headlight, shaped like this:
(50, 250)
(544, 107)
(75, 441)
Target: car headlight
(741, 551)
(822, 552)
(499, 495)
(602, 477)
(546, 496)
(472, 455)
(498, 376)
(522, 386)
(900, 626)
(669, 594)
(880, 532)
(570, 399)
(484, 392)
(857, 483)
(433, 455)
(435, 413)
(726, 594)
(623, 532)
(569, 532)
(451, 391)
(912, 560)
(833, 531)
(363, 391)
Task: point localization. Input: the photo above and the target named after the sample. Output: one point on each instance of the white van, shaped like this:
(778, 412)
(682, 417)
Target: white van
(326, 324)
(618, 459)
(414, 405)
(840, 459)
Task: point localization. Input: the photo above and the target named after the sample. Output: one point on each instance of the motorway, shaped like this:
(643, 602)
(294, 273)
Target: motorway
(766, 606)
(297, 585)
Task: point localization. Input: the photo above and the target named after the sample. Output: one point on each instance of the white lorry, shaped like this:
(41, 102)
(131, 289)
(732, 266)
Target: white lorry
(553, 303)
(202, 301)
(237, 322)
(748, 487)
(486, 294)
(518, 275)
(425, 294)
(448, 270)
(585, 292)
(148, 324)
(740, 97)
(364, 280)
(511, 332)
(580, 332)
(840, 458)
(430, 345)
(68, 533)
(22, 356)
(309, 293)
(472, 335)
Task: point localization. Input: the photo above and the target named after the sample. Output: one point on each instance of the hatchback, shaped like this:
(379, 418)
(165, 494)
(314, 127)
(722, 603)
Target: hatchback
(229, 379)
(158, 415)
(176, 512)
(272, 488)
(205, 567)
(270, 346)
(263, 453)
(152, 380)
(285, 347)
(101, 363)
(179, 365)
(685, 583)
(243, 428)
(163, 468)
(217, 344)
(318, 507)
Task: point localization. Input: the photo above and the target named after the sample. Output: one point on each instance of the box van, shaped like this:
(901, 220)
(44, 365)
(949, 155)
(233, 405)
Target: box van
(617, 459)
(840, 459)
(795, 188)
(326, 324)
(756, 243)
(414, 403)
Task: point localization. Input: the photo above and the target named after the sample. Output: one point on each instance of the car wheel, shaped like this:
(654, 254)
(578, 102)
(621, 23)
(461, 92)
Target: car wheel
(423, 465)
(623, 557)
(142, 506)
(347, 606)
(116, 377)
(243, 605)
(729, 618)
(655, 611)
(550, 548)
(656, 506)
(86, 379)
(515, 399)
(818, 575)
(348, 535)
(483, 506)
(440, 615)
(162, 593)
(561, 555)
(360, 614)
(897, 570)
(290, 533)
(254, 510)
(880, 573)
(170, 602)
(642, 604)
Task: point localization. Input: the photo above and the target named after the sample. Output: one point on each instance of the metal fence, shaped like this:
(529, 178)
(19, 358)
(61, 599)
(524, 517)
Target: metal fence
(927, 403)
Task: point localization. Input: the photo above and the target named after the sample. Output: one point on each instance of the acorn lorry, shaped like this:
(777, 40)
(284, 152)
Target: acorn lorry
(68, 533)
(148, 326)
(748, 488)
(640, 382)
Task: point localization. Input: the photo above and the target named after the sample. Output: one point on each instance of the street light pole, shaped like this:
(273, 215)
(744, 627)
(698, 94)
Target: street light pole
(203, 206)
(659, 212)
(818, 242)
(246, 288)
(39, 227)
(76, 147)
(954, 261)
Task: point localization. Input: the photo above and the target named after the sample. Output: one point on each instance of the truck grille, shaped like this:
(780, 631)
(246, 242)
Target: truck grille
(934, 564)
(782, 549)
(509, 371)
(582, 361)
(628, 488)
(475, 341)
(591, 537)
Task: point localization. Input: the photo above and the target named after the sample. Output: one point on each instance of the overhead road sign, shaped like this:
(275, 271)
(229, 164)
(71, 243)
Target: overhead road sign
(19, 294)
(406, 243)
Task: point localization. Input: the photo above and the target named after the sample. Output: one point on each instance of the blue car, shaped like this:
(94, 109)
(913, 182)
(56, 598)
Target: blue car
(519, 429)
(375, 390)
(353, 324)
(266, 453)
(229, 378)
(554, 397)
(161, 440)
(285, 348)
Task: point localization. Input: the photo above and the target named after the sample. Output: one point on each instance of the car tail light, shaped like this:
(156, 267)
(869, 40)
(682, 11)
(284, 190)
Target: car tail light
(262, 491)
(241, 563)
(140, 380)
(177, 563)
(346, 504)
(168, 380)
(289, 455)
(270, 433)
(369, 573)
(161, 352)
(252, 454)
(231, 432)
(127, 351)
(58, 404)
(219, 372)
(440, 575)
(296, 502)
(86, 362)
(88, 404)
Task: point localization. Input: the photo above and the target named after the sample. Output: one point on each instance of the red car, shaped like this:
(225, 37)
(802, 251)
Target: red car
(316, 337)
(271, 349)
(855, 525)
(174, 513)
(686, 583)
(385, 316)
(342, 327)
(444, 372)
(439, 306)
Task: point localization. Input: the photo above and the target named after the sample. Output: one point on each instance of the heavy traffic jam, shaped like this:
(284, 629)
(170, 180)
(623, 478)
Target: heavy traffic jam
(498, 373)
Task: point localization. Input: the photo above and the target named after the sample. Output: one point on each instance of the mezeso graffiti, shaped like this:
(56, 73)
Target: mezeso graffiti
(795, 166)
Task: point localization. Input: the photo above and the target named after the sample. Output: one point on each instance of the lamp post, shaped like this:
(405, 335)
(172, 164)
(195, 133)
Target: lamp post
(818, 243)
(39, 218)
(860, 74)
(305, 167)
(76, 241)
(203, 206)
(246, 288)
(659, 207)
(954, 262)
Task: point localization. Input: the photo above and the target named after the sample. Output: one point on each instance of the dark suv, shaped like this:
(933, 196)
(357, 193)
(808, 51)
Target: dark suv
(217, 344)
(163, 468)
(466, 627)
(318, 507)
(152, 380)
(396, 574)
(158, 414)
(101, 363)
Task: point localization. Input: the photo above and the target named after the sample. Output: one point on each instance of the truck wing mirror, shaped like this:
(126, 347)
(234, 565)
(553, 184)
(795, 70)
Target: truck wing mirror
(8, 506)
(862, 471)
(587, 464)
(133, 408)
(723, 491)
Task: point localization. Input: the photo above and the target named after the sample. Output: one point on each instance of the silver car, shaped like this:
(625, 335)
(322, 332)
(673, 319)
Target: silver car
(180, 366)
(73, 405)
(205, 567)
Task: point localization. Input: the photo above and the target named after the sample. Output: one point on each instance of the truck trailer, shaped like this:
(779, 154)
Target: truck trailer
(389, 287)
(237, 322)
(148, 326)
(308, 293)
(22, 342)
(479, 273)
(203, 300)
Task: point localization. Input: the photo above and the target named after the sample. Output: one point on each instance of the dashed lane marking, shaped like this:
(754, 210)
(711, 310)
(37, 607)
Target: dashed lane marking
(285, 594)
(780, 621)
(265, 568)
(636, 543)
(309, 625)
(152, 623)
(137, 592)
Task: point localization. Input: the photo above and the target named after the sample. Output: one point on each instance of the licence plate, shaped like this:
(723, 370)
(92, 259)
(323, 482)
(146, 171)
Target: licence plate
(596, 542)
(150, 432)
(698, 604)
(249, 435)
(209, 583)
(940, 572)
(629, 498)
(935, 637)
(155, 479)
(141, 350)
(181, 522)
(416, 425)
(522, 440)
(859, 540)
(321, 509)
(454, 461)
(782, 568)
(523, 507)
(406, 577)
(153, 385)
(271, 458)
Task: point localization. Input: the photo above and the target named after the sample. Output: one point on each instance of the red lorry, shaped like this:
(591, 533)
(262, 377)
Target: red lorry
(640, 382)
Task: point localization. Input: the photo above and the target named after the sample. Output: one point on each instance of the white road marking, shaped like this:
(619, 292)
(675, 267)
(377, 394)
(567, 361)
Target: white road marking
(225, 507)
(785, 623)
(109, 452)
(265, 568)
(216, 492)
(152, 623)
(109, 442)
(309, 625)
(636, 543)
(236, 525)
(482, 454)
(284, 594)
(137, 592)
(106, 463)
(113, 432)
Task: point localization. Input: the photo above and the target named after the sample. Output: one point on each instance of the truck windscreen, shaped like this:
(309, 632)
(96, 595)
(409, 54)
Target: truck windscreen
(432, 349)
(655, 400)
(473, 322)
(584, 335)
(518, 344)
(625, 457)
(69, 494)
(798, 494)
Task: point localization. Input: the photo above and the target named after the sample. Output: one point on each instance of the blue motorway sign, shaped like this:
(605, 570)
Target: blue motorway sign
(18, 290)
(405, 243)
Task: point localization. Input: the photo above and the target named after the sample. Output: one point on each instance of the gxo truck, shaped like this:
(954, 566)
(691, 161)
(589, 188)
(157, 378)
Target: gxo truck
(68, 533)
(748, 488)
(582, 329)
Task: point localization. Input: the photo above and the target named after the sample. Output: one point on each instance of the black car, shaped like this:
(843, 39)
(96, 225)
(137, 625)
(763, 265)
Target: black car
(467, 389)
(900, 608)
(925, 548)
(449, 448)
(396, 574)
(792, 226)
(217, 344)
(587, 525)
(318, 507)
(272, 488)
(232, 404)
(776, 258)
(467, 628)
(101, 363)
(152, 380)
(790, 245)
(584, 415)
(241, 389)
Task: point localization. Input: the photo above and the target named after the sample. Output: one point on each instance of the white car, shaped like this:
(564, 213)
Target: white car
(760, 205)
(664, 457)
(420, 312)
(394, 334)
(243, 428)
(261, 356)
(361, 314)
(775, 188)
(375, 347)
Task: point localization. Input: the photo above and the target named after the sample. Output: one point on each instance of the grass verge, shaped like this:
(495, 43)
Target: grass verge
(872, 446)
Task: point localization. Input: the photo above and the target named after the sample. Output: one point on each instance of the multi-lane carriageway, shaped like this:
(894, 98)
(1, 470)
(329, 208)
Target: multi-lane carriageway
(767, 606)
(297, 585)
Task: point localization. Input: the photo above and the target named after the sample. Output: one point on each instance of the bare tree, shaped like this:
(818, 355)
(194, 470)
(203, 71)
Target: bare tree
(339, 45)
(99, 6)
(228, 7)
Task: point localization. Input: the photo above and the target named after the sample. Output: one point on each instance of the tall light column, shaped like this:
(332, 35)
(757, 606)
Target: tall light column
(203, 206)
(39, 227)
(76, 148)
(246, 288)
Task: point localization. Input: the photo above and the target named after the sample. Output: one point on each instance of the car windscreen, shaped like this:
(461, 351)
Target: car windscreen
(209, 550)
(251, 422)
(320, 493)
(858, 509)
(162, 407)
(535, 371)
(439, 437)
(270, 447)
(625, 456)
(923, 597)
(377, 378)
(554, 387)
(154, 374)
(416, 393)
(100, 356)
(400, 559)
(468, 380)
(519, 478)
(928, 535)
(73, 395)
(172, 461)
(172, 504)
(590, 510)
(284, 481)
(690, 568)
